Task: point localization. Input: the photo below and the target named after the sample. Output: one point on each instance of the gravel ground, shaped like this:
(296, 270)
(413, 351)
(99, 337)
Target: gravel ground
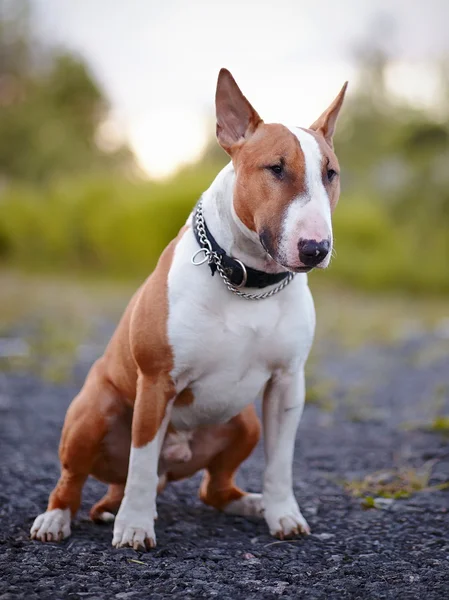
(363, 416)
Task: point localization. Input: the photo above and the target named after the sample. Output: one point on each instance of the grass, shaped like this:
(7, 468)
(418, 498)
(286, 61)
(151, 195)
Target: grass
(393, 484)
(437, 403)
(353, 316)
(54, 314)
(53, 317)
(440, 424)
(319, 392)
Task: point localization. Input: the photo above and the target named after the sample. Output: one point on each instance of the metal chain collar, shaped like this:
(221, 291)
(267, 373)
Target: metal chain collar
(213, 257)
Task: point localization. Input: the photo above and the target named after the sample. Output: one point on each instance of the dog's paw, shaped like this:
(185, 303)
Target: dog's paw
(284, 519)
(134, 528)
(51, 526)
(136, 536)
(249, 505)
(104, 517)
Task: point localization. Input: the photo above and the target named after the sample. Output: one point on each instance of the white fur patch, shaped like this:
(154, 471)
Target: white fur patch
(249, 505)
(285, 519)
(282, 410)
(224, 347)
(134, 523)
(51, 526)
(106, 517)
(309, 215)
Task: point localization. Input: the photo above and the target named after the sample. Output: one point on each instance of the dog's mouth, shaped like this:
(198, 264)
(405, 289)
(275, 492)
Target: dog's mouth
(265, 241)
(301, 269)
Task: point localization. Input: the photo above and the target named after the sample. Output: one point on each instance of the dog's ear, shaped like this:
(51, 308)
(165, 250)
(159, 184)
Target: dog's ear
(236, 118)
(325, 125)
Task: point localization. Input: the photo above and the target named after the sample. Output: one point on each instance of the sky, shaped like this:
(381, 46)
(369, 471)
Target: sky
(158, 61)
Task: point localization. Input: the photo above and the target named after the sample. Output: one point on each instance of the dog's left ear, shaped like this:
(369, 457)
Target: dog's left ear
(326, 123)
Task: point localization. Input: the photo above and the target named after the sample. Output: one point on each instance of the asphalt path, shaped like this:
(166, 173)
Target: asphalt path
(369, 416)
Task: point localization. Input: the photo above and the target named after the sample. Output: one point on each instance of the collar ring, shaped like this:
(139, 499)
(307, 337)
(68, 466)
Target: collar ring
(206, 258)
(245, 274)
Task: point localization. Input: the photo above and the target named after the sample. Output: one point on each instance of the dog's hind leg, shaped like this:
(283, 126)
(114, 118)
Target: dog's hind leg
(86, 424)
(218, 488)
(105, 510)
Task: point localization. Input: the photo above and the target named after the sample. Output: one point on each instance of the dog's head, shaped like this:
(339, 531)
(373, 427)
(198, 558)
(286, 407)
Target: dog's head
(287, 179)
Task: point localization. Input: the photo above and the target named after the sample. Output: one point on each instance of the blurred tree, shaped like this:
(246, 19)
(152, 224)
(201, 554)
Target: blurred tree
(391, 150)
(50, 105)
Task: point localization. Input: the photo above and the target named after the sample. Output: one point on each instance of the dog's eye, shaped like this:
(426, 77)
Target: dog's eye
(277, 169)
(331, 174)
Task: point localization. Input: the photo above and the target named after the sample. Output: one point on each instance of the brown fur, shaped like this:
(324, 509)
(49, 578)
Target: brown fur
(236, 118)
(185, 398)
(109, 503)
(218, 487)
(260, 198)
(134, 373)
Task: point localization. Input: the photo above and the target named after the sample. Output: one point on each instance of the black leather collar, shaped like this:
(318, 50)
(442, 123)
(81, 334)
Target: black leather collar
(233, 267)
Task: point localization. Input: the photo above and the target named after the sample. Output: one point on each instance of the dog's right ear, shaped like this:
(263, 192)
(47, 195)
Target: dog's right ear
(236, 118)
(325, 125)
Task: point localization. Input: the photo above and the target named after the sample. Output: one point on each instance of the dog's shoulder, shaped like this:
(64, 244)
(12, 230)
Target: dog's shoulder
(149, 316)
(140, 341)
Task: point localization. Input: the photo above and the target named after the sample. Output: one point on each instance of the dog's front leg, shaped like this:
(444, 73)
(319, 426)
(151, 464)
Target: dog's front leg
(283, 404)
(134, 524)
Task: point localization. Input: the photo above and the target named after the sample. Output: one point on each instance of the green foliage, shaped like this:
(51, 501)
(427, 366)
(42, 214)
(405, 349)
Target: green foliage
(50, 106)
(393, 484)
(101, 225)
(65, 205)
(375, 250)
(113, 226)
(441, 424)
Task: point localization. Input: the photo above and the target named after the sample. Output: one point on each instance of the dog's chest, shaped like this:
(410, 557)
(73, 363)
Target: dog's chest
(225, 363)
(226, 348)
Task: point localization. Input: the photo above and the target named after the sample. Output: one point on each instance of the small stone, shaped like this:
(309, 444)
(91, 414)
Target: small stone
(254, 540)
(324, 536)
(311, 510)
(336, 557)
(383, 503)
(278, 588)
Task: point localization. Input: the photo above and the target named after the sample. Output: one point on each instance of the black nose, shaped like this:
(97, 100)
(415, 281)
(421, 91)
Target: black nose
(311, 252)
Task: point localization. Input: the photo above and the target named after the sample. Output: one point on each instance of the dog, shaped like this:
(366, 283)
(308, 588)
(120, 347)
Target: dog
(226, 316)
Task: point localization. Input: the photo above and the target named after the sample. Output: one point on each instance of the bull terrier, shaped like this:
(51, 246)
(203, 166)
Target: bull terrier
(225, 317)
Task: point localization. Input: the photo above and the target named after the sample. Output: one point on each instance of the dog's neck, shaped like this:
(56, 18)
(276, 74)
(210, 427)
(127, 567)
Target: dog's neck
(228, 230)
